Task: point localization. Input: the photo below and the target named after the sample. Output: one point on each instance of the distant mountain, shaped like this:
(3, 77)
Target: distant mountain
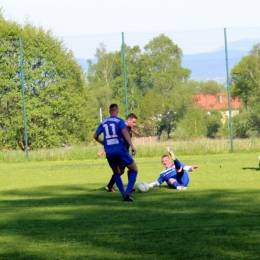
(212, 65)
(242, 45)
(208, 65)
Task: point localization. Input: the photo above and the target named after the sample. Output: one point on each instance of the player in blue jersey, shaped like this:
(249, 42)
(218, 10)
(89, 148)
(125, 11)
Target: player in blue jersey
(130, 124)
(114, 129)
(175, 175)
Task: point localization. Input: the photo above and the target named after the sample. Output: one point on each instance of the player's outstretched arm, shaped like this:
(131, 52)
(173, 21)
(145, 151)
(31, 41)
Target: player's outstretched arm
(154, 184)
(171, 153)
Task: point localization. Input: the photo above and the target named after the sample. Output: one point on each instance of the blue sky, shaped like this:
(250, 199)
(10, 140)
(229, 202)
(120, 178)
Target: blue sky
(88, 22)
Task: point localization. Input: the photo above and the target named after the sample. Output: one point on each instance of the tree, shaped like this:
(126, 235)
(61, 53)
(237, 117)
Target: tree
(247, 123)
(55, 91)
(213, 123)
(155, 82)
(192, 125)
(161, 65)
(245, 78)
(106, 78)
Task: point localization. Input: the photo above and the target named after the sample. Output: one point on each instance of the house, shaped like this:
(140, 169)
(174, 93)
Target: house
(218, 102)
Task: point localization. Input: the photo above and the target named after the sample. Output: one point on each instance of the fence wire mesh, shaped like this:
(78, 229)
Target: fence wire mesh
(203, 52)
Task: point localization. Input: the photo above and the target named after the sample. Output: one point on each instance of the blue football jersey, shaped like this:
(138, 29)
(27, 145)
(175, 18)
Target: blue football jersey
(168, 173)
(112, 128)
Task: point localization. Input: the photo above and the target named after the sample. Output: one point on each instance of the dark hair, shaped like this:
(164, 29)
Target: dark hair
(112, 106)
(131, 116)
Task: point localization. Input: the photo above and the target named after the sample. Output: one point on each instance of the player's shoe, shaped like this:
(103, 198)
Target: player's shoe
(128, 198)
(133, 190)
(181, 188)
(110, 189)
(170, 151)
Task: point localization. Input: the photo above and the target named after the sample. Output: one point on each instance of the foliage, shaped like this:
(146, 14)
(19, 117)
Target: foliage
(63, 105)
(195, 120)
(213, 123)
(155, 83)
(210, 87)
(247, 123)
(59, 106)
(245, 77)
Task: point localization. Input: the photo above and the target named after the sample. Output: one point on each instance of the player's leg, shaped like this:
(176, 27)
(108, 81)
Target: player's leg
(114, 162)
(173, 183)
(119, 182)
(184, 178)
(128, 174)
(132, 175)
(176, 183)
(112, 182)
(110, 185)
(129, 162)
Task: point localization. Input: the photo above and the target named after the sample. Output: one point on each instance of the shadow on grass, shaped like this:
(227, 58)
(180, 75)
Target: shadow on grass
(251, 168)
(74, 222)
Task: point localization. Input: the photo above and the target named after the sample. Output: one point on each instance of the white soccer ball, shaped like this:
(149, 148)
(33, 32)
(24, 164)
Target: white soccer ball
(143, 187)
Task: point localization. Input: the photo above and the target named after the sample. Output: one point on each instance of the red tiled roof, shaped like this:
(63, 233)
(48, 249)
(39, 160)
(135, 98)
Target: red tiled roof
(216, 102)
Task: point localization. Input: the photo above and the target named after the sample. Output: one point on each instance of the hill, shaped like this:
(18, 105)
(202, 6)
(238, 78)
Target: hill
(208, 65)
(212, 65)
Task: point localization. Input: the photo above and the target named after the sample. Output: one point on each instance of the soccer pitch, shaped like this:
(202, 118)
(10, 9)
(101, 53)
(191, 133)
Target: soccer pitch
(59, 210)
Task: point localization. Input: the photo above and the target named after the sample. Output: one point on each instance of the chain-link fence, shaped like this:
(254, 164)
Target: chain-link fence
(209, 54)
(205, 52)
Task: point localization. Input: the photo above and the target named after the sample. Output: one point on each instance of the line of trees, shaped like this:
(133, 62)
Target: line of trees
(63, 104)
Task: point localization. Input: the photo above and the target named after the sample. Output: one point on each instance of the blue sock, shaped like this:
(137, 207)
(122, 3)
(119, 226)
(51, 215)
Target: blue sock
(131, 181)
(177, 164)
(119, 183)
(175, 184)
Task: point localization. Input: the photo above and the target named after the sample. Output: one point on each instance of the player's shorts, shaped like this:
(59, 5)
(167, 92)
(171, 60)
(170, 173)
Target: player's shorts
(121, 159)
(182, 179)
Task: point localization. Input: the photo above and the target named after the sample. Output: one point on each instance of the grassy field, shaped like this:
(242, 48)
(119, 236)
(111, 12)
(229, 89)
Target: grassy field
(145, 149)
(59, 210)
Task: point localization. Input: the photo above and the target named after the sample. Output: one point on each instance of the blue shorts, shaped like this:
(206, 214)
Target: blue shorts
(120, 159)
(182, 178)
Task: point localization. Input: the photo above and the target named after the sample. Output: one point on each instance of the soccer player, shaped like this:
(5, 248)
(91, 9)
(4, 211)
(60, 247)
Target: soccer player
(175, 175)
(114, 129)
(130, 124)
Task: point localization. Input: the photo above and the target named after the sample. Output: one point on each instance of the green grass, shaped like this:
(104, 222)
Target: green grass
(144, 150)
(59, 210)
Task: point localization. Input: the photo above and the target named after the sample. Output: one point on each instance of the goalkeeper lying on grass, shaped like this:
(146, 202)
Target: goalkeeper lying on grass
(175, 175)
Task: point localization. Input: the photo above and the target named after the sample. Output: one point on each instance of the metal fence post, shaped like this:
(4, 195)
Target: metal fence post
(228, 89)
(23, 97)
(125, 79)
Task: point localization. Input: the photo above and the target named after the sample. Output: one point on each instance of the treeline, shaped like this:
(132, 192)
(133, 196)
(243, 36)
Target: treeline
(63, 105)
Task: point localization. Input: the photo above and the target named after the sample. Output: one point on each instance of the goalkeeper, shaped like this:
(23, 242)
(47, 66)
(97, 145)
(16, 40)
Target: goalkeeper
(176, 175)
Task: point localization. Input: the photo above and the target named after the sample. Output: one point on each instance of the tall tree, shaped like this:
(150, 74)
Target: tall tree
(55, 91)
(161, 65)
(245, 78)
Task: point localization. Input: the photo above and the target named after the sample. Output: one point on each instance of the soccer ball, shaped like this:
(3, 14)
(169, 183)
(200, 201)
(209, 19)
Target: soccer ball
(143, 187)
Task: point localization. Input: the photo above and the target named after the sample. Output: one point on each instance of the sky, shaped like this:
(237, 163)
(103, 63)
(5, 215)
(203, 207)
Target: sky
(84, 23)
